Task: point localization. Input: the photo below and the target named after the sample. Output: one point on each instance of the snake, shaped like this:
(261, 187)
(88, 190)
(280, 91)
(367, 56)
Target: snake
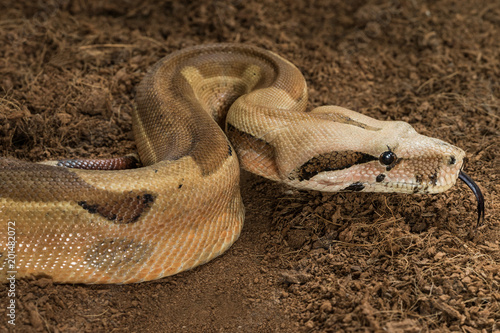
(200, 114)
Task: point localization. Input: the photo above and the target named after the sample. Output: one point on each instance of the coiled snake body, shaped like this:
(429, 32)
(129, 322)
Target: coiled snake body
(183, 206)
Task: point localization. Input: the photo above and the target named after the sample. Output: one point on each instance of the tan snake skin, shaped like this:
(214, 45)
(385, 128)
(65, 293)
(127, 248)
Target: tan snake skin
(183, 207)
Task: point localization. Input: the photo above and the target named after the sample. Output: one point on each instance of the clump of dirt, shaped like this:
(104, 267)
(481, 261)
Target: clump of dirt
(306, 261)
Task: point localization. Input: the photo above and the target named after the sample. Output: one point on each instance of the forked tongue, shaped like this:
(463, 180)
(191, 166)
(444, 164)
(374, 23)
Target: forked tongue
(477, 192)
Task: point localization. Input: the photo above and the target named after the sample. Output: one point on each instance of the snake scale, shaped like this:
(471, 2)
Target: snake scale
(115, 221)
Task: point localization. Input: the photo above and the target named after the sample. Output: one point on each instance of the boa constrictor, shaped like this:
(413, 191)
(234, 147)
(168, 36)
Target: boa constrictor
(182, 207)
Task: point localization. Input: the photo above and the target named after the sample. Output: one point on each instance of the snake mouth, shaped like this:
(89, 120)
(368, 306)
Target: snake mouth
(477, 192)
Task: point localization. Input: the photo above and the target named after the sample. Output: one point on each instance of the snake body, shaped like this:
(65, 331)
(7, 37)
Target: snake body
(183, 207)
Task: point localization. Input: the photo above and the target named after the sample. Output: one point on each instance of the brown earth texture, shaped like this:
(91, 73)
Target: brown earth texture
(305, 261)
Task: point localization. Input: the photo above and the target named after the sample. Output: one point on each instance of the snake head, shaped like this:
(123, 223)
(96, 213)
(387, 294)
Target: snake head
(377, 156)
(409, 162)
(381, 156)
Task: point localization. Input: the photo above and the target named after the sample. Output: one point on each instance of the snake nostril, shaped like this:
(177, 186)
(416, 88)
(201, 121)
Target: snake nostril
(452, 160)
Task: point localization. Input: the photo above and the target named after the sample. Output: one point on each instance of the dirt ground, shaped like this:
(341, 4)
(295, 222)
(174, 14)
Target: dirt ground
(306, 261)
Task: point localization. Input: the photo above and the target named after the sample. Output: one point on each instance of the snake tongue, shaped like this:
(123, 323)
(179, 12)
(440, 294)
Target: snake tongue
(477, 192)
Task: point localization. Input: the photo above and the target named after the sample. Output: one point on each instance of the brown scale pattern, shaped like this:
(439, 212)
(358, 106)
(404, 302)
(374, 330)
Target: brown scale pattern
(336, 160)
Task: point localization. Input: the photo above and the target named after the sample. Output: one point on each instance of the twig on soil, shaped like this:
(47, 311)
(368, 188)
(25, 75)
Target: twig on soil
(95, 46)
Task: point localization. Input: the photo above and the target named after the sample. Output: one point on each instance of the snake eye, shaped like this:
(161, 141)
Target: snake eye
(387, 158)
